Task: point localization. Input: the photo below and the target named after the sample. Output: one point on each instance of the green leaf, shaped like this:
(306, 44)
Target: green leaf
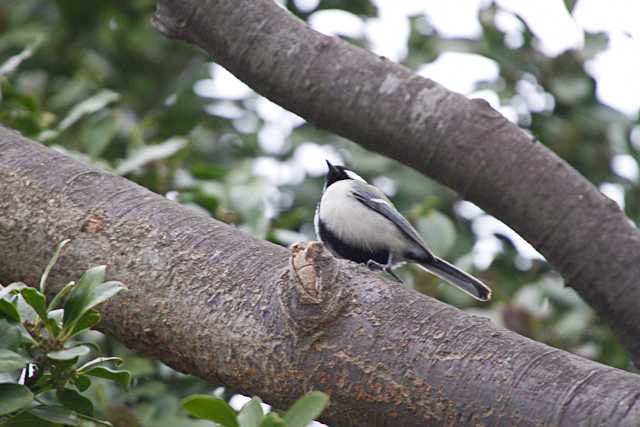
(210, 408)
(151, 153)
(273, 420)
(42, 384)
(306, 409)
(123, 378)
(85, 322)
(60, 295)
(12, 64)
(99, 360)
(37, 301)
(139, 366)
(594, 43)
(14, 287)
(104, 291)
(97, 295)
(56, 414)
(89, 292)
(90, 105)
(207, 170)
(52, 262)
(13, 336)
(95, 420)
(56, 315)
(25, 419)
(9, 311)
(572, 89)
(14, 397)
(54, 322)
(149, 391)
(73, 400)
(69, 353)
(91, 344)
(78, 301)
(439, 231)
(27, 313)
(10, 361)
(99, 132)
(251, 413)
(82, 382)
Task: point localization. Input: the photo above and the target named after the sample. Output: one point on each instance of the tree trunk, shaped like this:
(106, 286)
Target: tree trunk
(462, 143)
(212, 301)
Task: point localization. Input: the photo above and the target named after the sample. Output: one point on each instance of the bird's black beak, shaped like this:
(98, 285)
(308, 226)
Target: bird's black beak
(335, 173)
(331, 167)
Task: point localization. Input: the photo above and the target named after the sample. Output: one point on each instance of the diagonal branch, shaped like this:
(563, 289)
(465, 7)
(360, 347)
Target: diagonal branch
(212, 301)
(462, 143)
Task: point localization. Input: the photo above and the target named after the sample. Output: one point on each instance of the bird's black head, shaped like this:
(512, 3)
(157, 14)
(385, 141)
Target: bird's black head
(339, 173)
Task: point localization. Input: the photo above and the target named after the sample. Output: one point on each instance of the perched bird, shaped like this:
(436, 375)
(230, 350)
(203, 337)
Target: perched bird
(356, 221)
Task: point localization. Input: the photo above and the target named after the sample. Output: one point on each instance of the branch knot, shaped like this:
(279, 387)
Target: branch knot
(310, 293)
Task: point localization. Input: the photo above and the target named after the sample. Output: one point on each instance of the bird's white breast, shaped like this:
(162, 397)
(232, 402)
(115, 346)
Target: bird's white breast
(356, 224)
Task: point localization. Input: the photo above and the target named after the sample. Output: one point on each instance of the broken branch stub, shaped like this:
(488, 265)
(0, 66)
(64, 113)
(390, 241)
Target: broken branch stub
(309, 293)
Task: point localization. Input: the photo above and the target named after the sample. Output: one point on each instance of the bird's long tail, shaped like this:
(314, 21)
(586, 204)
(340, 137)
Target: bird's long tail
(458, 278)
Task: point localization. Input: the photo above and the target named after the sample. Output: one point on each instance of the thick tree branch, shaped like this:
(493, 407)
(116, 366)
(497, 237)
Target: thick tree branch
(215, 302)
(462, 143)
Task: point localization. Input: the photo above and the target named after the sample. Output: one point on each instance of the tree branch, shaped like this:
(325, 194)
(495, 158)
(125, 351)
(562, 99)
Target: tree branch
(462, 143)
(212, 301)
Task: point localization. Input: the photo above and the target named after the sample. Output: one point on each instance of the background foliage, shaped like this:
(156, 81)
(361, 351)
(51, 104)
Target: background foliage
(94, 80)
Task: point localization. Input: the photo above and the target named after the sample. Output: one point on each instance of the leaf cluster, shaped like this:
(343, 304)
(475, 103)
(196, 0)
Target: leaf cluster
(301, 413)
(39, 338)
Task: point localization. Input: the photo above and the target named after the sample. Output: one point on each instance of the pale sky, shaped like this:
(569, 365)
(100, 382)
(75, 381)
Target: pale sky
(616, 69)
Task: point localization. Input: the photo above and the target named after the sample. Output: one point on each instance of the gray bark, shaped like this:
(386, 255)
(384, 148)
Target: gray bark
(462, 143)
(212, 301)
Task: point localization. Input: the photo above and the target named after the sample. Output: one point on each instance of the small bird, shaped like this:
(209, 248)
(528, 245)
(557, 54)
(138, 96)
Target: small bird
(356, 221)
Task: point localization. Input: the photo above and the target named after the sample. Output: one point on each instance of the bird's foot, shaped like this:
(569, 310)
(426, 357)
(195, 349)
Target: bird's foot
(373, 265)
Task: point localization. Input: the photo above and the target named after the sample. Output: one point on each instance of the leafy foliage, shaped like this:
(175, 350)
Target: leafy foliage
(303, 411)
(41, 342)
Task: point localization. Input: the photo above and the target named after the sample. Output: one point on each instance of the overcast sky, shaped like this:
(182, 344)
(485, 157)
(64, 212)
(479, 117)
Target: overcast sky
(616, 69)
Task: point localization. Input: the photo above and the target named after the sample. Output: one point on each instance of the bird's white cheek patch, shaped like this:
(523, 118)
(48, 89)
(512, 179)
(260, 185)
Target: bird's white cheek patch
(353, 175)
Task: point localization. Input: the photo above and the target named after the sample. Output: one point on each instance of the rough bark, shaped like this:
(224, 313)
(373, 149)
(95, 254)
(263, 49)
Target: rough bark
(212, 301)
(462, 143)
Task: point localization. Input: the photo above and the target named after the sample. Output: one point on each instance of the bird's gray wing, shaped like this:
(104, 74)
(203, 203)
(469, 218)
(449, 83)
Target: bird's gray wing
(375, 200)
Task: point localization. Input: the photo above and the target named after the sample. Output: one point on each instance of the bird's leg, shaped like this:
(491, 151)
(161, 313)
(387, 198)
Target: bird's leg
(374, 265)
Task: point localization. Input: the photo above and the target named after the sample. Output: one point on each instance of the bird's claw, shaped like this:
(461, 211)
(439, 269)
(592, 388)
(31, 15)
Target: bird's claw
(373, 265)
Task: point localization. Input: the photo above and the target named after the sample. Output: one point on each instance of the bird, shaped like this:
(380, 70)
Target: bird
(354, 220)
